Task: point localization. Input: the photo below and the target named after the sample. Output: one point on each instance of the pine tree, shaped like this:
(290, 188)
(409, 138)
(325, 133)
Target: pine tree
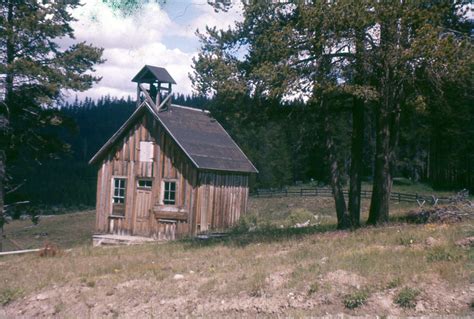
(35, 70)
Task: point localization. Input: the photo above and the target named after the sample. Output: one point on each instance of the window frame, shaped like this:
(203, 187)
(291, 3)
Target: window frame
(145, 187)
(168, 201)
(114, 188)
(117, 209)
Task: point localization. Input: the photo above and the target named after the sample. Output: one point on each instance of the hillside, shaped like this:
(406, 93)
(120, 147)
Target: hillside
(265, 271)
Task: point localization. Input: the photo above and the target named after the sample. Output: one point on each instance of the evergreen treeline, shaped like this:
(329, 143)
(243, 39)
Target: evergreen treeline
(282, 151)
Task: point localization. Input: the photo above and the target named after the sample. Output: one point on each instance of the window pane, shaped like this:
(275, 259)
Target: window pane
(119, 191)
(169, 194)
(145, 183)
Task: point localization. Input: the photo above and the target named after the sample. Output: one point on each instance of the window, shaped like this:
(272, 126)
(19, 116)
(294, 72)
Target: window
(169, 197)
(119, 191)
(145, 183)
(146, 151)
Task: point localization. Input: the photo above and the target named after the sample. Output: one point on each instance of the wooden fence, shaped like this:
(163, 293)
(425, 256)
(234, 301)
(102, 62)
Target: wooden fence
(326, 192)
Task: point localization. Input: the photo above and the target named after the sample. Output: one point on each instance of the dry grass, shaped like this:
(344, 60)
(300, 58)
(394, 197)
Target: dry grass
(66, 231)
(269, 271)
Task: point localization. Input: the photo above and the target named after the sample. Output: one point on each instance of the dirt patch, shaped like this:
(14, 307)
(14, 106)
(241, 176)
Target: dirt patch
(277, 280)
(466, 242)
(150, 297)
(139, 298)
(345, 279)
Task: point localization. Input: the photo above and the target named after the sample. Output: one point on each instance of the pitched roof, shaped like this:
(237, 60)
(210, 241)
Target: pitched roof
(150, 73)
(200, 136)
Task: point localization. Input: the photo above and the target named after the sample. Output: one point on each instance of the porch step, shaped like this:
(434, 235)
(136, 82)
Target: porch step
(111, 239)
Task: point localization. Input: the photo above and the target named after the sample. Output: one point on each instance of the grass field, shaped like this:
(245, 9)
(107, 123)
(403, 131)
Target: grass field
(271, 270)
(69, 230)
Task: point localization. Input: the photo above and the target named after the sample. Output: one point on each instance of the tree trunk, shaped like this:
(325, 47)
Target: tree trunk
(357, 139)
(357, 147)
(10, 53)
(2, 196)
(382, 183)
(343, 220)
(9, 80)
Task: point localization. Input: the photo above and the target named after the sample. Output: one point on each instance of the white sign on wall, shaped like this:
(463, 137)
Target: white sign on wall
(146, 151)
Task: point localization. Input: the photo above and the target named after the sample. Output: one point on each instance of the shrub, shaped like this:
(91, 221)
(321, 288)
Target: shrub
(245, 224)
(406, 297)
(299, 215)
(355, 299)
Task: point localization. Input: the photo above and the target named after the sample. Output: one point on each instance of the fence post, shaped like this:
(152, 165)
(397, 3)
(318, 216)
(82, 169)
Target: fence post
(301, 192)
(316, 191)
(399, 198)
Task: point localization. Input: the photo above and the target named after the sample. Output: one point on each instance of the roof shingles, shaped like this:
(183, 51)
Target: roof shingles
(205, 140)
(200, 136)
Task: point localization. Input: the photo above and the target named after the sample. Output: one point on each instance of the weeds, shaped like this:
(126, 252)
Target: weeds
(313, 288)
(257, 284)
(394, 283)
(355, 299)
(59, 307)
(441, 254)
(406, 241)
(406, 297)
(49, 250)
(88, 282)
(8, 295)
(299, 215)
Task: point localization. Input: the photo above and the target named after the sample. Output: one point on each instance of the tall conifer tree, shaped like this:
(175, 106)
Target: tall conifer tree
(35, 68)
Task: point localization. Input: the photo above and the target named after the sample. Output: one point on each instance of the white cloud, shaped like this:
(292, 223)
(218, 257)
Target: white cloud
(154, 36)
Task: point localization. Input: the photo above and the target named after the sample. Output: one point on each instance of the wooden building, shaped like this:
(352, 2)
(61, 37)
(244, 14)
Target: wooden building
(170, 170)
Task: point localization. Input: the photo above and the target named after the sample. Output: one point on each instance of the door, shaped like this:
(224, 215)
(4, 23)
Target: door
(143, 208)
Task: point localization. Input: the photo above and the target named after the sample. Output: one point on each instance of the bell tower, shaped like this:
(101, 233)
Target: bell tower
(154, 85)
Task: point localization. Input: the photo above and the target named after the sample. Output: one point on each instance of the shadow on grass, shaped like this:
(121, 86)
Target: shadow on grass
(242, 236)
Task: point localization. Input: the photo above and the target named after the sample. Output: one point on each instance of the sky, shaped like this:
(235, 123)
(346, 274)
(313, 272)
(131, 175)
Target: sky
(156, 35)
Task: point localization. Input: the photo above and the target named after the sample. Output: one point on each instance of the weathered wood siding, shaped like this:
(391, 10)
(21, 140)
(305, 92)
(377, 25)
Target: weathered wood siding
(205, 200)
(123, 162)
(222, 199)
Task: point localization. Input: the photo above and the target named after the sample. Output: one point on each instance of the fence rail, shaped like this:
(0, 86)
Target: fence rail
(326, 192)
